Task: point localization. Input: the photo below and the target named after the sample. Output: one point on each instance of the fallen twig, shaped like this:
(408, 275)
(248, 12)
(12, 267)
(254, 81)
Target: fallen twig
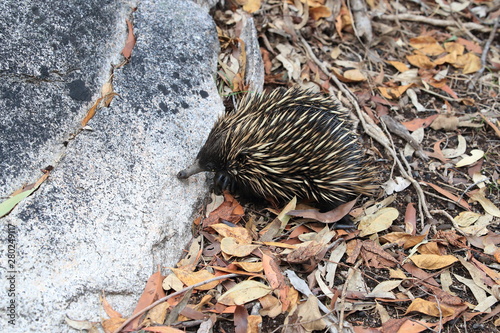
(435, 22)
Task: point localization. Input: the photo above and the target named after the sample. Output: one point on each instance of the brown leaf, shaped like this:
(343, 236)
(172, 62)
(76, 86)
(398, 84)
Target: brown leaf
(328, 217)
(411, 219)
(230, 210)
(275, 278)
(240, 319)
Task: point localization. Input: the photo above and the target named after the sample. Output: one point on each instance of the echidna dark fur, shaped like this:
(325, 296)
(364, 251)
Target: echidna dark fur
(284, 144)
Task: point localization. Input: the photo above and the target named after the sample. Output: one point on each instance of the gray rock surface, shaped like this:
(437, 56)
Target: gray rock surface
(112, 209)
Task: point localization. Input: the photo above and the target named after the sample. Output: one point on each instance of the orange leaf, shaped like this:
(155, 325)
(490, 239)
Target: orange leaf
(417, 123)
(130, 43)
(399, 66)
(152, 292)
(430, 308)
(449, 195)
(420, 61)
(396, 92)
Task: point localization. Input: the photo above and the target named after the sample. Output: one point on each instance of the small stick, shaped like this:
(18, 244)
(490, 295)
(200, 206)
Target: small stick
(435, 22)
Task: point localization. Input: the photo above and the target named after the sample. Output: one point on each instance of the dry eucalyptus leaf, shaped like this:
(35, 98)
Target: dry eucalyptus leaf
(455, 152)
(432, 261)
(379, 221)
(232, 247)
(430, 308)
(244, 292)
(476, 155)
(446, 122)
(487, 205)
(311, 318)
(189, 278)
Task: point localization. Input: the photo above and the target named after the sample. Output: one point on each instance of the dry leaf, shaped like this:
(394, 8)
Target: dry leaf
(252, 267)
(399, 66)
(130, 43)
(311, 318)
(244, 292)
(476, 155)
(420, 60)
(190, 278)
(488, 206)
(379, 221)
(251, 6)
(432, 261)
(455, 152)
(430, 308)
(241, 234)
(446, 122)
(232, 247)
(392, 93)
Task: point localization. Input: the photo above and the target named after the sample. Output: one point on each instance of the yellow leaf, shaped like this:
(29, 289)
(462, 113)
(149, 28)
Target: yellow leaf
(244, 292)
(454, 47)
(391, 93)
(420, 61)
(319, 12)
(189, 278)
(252, 267)
(432, 261)
(427, 45)
(251, 6)
(472, 63)
(430, 308)
(399, 66)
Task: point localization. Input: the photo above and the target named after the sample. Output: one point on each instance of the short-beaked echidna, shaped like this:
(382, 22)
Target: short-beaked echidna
(284, 144)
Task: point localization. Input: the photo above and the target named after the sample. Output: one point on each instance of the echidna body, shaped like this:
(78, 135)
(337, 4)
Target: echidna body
(284, 144)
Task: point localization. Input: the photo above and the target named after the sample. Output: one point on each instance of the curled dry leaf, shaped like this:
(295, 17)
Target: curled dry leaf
(244, 292)
(488, 206)
(455, 152)
(311, 318)
(432, 261)
(252, 267)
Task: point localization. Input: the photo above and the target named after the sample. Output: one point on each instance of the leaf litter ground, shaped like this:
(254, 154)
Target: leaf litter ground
(422, 81)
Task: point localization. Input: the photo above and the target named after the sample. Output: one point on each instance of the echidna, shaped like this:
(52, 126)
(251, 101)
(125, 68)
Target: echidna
(284, 144)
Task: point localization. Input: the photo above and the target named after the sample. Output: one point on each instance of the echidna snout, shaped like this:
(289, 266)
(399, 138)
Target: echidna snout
(284, 144)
